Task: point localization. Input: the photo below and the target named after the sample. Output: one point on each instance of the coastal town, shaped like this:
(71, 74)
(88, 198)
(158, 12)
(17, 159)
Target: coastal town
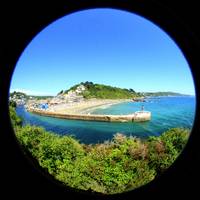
(79, 102)
(73, 105)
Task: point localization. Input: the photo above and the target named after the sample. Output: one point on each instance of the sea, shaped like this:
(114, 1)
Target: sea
(167, 112)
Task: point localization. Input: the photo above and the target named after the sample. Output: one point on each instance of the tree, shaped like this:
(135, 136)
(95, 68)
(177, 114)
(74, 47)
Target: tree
(12, 103)
(61, 92)
(131, 90)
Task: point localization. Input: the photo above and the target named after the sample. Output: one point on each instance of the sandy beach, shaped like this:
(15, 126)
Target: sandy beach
(82, 111)
(84, 107)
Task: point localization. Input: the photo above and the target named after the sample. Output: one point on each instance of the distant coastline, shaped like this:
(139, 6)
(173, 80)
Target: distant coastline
(163, 94)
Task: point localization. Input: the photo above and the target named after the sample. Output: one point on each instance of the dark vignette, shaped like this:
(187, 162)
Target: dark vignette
(21, 22)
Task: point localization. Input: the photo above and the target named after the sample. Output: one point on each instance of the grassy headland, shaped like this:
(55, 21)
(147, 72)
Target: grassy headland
(100, 91)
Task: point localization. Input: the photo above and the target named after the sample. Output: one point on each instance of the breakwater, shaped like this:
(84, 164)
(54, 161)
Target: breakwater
(138, 116)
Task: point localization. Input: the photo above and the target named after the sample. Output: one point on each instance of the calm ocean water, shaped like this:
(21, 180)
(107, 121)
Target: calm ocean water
(167, 112)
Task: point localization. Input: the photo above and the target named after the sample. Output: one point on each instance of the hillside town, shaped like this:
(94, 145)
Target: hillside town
(72, 104)
(69, 102)
(60, 101)
(18, 97)
(50, 103)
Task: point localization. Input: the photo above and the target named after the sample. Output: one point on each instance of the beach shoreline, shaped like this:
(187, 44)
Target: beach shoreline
(86, 106)
(104, 104)
(83, 107)
(81, 111)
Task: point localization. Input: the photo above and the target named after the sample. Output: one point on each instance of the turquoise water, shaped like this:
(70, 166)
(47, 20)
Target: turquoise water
(167, 112)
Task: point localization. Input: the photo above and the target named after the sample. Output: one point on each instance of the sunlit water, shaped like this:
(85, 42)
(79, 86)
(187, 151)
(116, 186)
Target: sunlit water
(167, 112)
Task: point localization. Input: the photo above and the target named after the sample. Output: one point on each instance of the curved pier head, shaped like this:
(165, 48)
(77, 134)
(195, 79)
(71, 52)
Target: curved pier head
(138, 116)
(142, 116)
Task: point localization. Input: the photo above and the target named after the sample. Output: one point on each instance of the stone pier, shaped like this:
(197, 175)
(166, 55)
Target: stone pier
(138, 116)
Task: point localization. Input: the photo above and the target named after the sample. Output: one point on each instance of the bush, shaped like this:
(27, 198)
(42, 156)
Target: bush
(15, 120)
(116, 166)
(50, 149)
(12, 103)
(164, 150)
(176, 137)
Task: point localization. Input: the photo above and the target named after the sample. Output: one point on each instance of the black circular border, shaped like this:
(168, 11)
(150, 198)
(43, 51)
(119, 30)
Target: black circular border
(25, 21)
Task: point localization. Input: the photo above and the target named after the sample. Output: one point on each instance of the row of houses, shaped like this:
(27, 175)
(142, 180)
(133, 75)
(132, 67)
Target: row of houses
(70, 97)
(19, 99)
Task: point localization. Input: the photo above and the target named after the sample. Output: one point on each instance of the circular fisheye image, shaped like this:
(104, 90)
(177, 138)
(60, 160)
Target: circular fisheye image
(103, 100)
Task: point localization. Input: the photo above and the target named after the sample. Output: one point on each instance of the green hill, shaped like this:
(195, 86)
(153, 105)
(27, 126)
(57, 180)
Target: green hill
(100, 91)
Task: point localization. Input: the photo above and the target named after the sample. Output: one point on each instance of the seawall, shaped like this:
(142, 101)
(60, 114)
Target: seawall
(135, 117)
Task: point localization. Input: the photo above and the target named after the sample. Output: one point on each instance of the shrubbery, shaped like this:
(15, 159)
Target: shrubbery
(16, 120)
(163, 150)
(119, 165)
(112, 167)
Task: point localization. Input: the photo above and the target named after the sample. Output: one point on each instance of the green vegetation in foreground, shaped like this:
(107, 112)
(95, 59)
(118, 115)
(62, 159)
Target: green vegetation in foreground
(116, 166)
(101, 91)
(16, 120)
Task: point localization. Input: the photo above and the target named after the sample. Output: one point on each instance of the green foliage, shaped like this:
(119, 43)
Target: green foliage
(115, 166)
(164, 150)
(49, 148)
(18, 94)
(107, 92)
(131, 90)
(116, 170)
(61, 92)
(16, 120)
(104, 91)
(106, 168)
(175, 137)
(12, 104)
(71, 88)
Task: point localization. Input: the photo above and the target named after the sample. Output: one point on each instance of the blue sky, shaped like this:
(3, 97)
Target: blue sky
(104, 46)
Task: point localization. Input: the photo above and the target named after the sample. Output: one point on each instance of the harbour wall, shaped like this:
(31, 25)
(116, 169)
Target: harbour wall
(139, 116)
